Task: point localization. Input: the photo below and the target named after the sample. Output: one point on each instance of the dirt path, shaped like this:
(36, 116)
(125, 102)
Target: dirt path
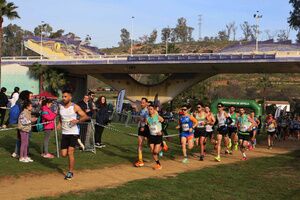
(53, 184)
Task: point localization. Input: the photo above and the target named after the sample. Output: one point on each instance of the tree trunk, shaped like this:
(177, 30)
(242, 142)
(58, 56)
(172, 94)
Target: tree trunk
(1, 39)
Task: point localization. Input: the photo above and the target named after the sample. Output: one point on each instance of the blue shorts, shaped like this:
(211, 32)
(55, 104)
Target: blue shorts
(187, 135)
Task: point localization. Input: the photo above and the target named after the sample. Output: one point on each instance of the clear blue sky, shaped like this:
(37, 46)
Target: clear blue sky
(103, 19)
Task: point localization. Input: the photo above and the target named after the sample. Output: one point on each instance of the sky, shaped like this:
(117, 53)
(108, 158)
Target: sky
(103, 19)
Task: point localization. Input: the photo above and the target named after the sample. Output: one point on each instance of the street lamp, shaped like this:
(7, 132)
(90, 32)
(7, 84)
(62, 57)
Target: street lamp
(131, 35)
(257, 16)
(42, 25)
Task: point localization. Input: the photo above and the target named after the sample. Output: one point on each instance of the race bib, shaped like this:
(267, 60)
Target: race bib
(200, 124)
(244, 128)
(154, 129)
(209, 128)
(185, 127)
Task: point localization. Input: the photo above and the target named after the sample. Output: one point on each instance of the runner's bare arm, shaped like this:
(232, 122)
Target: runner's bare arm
(194, 120)
(79, 111)
(160, 119)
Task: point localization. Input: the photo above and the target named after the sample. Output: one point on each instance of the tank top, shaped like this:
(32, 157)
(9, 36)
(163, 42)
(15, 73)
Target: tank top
(154, 125)
(201, 120)
(143, 115)
(186, 123)
(244, 123)
(271, 126)
(67, 115)
(221, 119)
(234, 119)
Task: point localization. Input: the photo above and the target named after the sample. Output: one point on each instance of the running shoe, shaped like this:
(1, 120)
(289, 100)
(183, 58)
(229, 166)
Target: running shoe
(185, 160)
(270, 147)
(69, 176)
(228, 152)
(201, 158)
(230, 144)
(14, 155)
(48, 155)
(244, 158)
(29, 159)
(139, 164)
(157, 167)
(165, 148)
(24, 160)
(218, 159)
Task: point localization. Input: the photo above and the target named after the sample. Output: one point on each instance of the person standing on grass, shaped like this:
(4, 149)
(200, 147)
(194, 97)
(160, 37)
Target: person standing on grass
(48, 117)
(245, 127)
(14, 96)
(69, 113)
(155, 138)
(3, 104)
(102, 119)
(271, 130)
(143, 131)
(186, 125)
(24, 125)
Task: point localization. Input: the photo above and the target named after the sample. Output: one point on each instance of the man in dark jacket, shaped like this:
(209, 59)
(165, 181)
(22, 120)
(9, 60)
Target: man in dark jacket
(3, 104)
(102, 119)
(85, 106)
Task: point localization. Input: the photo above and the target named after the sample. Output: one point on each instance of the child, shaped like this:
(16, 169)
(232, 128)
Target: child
(48, 117)
(24, 125)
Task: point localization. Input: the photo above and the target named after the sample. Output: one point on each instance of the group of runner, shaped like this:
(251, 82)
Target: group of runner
(237, 130)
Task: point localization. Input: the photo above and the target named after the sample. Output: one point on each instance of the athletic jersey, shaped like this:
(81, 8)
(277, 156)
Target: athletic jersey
(271, 126)
(67, 115)
(244, 123)
(234, 119)
(143, 115)
(186, 122)
(221, 119)
(201, 120)
(208, 128)
(154, 125)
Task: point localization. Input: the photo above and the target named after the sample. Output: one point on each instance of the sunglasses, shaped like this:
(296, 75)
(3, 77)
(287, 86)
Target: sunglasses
(184, 109)
(199, 107)
(219, 106)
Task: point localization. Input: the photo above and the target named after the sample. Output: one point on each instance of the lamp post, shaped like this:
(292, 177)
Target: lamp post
(131, 35)
(42, 25)
(257, 16)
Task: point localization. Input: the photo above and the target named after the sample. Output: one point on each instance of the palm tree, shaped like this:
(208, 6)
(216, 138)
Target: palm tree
(7, 10)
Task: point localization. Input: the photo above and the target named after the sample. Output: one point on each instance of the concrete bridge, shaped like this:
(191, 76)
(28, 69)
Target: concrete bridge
(184, 70)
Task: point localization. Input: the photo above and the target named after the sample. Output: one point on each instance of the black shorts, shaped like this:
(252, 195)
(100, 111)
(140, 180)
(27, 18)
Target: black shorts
(223, 130)
(144, 133)
(155, 139)
(209, 134)
(271, 133)
(199, 132)
(244, 136)
(69, 141)
(231, 129)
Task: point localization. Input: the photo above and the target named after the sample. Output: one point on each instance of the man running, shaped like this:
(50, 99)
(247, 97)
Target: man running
(271, 126)
(186, 125)
(68, 113)
(245, 126)
(232, 128)
(155, 138)
(223, 121)
(254, 130)
(143, 131)
(200, 133)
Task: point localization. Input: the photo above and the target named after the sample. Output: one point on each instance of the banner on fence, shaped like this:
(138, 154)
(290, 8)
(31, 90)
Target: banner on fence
(120, 101)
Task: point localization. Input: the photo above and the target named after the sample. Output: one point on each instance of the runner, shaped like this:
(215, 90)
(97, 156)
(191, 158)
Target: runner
(143, 131)
(271, 129)
(232, 129)
(68, 113)
(155, 138)
(223, 121)
(186, 125)
(297, 128)
(200, 133)
(210, 121)
(254, 131)
(245, 126)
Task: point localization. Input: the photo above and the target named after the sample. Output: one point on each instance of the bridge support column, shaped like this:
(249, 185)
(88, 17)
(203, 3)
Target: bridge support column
(166, 90)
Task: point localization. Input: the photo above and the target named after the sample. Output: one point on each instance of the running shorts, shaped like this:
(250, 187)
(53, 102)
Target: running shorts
(199, 132)
(69, 141)
(155, 139)
(223, 130)
(144, 133)
(187, 135)
(244, 136)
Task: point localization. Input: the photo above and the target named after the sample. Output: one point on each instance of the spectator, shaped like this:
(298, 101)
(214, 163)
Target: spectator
(3, 104)
(102, 119)
(84, 104)
(24, 125)
(14, 96)
(92, 105)
(48, 116)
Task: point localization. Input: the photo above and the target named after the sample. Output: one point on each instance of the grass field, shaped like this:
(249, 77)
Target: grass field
(262, 178)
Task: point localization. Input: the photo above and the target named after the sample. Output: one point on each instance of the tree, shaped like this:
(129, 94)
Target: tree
(282, 36)
(50, 79)
(234, 29)
(125, 37)
(59, 33)
(46, 29)
(182, 32)
(153, 36)
(269, 35)
(231, 28)
(222, 35)
(294, 19)
(8, 10)
(165, 34)
(247, 31)
(298, 37)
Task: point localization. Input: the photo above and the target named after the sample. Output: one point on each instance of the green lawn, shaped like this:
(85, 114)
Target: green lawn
(120, 149)
(262, 178)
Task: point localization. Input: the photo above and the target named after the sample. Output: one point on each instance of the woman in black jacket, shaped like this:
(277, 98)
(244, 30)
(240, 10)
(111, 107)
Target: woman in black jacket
(102, 118)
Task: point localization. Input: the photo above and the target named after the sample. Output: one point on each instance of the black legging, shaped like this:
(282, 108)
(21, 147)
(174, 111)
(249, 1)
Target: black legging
(98, 133)
(2, 113)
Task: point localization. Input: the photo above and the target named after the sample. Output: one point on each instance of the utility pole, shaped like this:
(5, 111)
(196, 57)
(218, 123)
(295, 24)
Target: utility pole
(200, 26)
(131, 35)
(257, 16)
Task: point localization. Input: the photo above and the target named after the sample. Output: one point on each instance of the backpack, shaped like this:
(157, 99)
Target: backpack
(14, 114)
(39, 126)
